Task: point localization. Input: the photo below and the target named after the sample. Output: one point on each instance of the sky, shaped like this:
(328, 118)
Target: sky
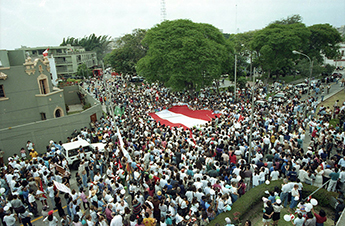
(34, 23)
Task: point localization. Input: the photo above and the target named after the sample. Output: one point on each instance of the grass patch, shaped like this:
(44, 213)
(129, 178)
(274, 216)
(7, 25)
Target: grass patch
(334, 122)
(282, 222)
(74, 112)
(254, 196)
(330, 101)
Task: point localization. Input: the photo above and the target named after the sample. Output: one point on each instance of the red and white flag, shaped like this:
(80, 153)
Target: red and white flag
(45, 53)
(178, 116)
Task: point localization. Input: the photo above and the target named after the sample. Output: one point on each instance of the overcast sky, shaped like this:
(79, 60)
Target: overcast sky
(35, 23)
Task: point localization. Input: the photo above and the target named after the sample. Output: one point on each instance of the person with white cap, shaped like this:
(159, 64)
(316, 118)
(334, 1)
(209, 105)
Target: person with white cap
(228, 222)
(277, 207)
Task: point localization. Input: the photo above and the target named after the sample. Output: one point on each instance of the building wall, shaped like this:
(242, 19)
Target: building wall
(24, 102)
(70, 94)
(67, 58)
(41, 132)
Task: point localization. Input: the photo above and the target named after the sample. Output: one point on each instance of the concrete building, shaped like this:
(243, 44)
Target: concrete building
(32, 109)
(27, 94)
(67, 58)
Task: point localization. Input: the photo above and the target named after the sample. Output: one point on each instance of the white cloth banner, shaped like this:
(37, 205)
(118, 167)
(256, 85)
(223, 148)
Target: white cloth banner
(62, 187)
(124, 151)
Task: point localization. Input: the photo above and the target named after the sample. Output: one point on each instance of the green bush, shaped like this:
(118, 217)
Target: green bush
(334, 122)
(242, 81)
(254, 196)
(86, 106)
(70, 80)
(323, 196)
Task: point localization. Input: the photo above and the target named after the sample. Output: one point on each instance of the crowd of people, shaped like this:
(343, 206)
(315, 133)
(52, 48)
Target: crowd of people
(151, 174)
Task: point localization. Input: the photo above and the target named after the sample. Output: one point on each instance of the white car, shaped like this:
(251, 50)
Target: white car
(302, 87)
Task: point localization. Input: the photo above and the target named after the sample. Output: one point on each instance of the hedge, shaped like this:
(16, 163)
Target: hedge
(254, 196)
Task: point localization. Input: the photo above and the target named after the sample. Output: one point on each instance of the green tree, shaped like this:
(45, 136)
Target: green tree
(184, 55)
(323, 41)
(241, 82)
(128, 51)
(83, 71)
(99, 44)
(329, 69)
(274, 44)
(303, 67)
(289, 20)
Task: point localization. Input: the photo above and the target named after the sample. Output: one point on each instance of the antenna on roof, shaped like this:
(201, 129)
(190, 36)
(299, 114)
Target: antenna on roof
(163, 11)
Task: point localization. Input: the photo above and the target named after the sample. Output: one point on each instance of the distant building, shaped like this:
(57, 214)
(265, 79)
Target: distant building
(67, 58)
(341, 30)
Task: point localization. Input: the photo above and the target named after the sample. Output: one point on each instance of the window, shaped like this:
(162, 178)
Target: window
(43, 86)
(43, 116)
(2, 92)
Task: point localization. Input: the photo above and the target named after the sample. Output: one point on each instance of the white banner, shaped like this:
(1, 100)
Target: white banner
(124, 151)
(62, 187)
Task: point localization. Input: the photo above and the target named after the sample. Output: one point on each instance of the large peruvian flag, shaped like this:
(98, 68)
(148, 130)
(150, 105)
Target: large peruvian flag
(178, 116)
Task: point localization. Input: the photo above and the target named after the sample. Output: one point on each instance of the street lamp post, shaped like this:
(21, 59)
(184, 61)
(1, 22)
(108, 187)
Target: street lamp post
(310, 69)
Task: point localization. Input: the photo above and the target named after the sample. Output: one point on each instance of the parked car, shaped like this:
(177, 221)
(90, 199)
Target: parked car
(71, 150)
(302, 88)
(137, 79)
(261, 103)
(315, 82)
(279, 97)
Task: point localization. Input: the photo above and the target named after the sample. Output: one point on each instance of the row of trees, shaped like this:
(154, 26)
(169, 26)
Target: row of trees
(99, 44)
(183, 55)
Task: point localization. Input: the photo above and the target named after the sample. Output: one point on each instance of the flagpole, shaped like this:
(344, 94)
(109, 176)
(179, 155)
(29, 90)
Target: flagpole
(251, 125)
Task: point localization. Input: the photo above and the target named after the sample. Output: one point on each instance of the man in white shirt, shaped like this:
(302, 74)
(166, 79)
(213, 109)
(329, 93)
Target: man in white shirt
(274, 175)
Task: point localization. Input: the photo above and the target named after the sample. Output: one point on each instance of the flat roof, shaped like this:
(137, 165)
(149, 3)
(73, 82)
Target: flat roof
(75, 144)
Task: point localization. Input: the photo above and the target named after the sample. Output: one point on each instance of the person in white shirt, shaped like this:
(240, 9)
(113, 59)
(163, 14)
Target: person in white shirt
(9, 219)
(50, 190)
(117, 220)
(274, 175)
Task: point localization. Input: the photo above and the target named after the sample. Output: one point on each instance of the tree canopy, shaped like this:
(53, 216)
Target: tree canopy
(323, 40)
(183, 54)
(128, 51)
(83, 71)
(99, 44)
(274, 45)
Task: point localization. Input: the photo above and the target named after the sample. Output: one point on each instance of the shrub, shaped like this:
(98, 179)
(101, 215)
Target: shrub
(86, 106)
(323, 196)
(254, 196)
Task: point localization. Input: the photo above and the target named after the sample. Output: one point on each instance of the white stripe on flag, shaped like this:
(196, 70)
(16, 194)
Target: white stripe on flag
(180, 118)
(122, 145)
